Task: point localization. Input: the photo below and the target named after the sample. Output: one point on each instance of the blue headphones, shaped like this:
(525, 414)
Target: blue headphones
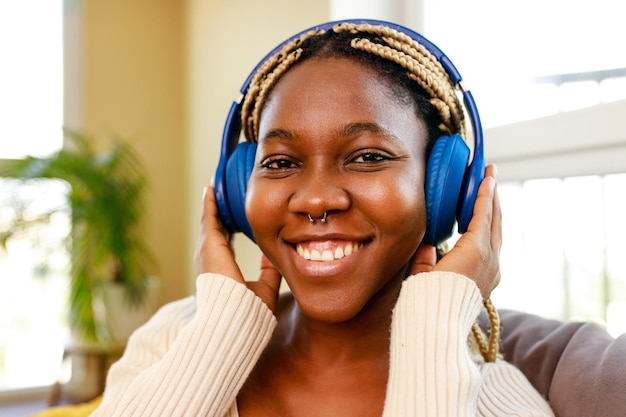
(451, 180)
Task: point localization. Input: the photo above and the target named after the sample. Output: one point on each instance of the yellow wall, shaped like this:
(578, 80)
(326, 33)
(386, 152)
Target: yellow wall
(226, 39)
(164, 72)
(133, 84)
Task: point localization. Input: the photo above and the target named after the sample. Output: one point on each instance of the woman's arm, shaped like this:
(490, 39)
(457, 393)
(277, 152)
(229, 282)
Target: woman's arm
(191, 358)
(432, 372)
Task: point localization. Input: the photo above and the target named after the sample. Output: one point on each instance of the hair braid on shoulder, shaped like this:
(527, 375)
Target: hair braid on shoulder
(489, 349)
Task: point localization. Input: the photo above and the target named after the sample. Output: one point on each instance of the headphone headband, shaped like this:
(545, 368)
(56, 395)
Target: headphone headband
(233, 215)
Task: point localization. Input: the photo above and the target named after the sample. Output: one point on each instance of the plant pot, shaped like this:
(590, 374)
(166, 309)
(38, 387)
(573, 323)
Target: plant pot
(122, 318)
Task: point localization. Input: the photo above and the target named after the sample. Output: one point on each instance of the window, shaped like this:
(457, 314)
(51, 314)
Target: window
(31, 77)
(562, 255)
(33, 285)
(501, 48)
(32, 313)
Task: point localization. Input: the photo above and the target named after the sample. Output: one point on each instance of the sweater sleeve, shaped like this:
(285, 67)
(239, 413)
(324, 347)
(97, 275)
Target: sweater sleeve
(432, 372)
(193, 356)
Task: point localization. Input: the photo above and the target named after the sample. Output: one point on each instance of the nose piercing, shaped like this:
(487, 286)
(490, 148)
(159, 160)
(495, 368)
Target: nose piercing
(312, 219)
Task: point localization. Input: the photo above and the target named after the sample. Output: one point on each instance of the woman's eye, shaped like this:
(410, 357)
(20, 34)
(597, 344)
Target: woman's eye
(277, 164)
(366, 157)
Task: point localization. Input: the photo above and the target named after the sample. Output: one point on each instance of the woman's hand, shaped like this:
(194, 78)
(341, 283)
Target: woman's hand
(477, 252)
(214, 254)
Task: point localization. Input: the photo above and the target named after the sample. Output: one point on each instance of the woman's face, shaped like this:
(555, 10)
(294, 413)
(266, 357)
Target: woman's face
(333, 139)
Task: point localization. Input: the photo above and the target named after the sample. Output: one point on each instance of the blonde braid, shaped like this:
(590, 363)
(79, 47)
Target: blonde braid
(488, 350)
(266, 84)
(421, 66)
(264, 79)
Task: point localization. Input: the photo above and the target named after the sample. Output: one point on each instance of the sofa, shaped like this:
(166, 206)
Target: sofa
(577, 366)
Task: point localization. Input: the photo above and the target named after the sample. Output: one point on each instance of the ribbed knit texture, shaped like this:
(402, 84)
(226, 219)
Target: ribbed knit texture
(193, 356)
(172, 368)
(431, 372)
(505, 391)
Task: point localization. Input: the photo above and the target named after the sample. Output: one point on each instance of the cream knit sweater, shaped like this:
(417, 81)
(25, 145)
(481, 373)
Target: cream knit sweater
(193, 356)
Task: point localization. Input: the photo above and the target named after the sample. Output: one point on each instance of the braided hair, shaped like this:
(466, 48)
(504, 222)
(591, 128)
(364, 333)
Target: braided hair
(411, 72)
(409, 69)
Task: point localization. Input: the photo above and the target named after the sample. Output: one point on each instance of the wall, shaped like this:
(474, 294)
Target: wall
(225, 40)
(130, 71)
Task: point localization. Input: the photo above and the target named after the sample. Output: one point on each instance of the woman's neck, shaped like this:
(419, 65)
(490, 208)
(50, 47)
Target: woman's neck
(363, 337)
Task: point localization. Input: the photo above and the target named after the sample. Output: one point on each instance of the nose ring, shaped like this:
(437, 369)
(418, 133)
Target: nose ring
(312, 219)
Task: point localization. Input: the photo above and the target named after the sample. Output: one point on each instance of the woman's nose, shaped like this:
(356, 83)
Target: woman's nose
(320, 193)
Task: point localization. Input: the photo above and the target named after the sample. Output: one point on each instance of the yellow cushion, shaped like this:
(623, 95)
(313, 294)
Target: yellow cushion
(78, 410)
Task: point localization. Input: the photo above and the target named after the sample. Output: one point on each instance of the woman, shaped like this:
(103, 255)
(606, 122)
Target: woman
(373, 325)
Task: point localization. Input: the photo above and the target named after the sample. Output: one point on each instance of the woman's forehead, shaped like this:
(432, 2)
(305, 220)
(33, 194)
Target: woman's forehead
(335, 81)
(320, 96)
(331, 82)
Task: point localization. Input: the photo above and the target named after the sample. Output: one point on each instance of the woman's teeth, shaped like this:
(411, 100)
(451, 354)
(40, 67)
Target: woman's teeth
(328, 254)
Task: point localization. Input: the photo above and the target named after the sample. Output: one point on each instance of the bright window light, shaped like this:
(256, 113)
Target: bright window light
(31, 77)
(34, 265)
(563, 249)
(500, 46)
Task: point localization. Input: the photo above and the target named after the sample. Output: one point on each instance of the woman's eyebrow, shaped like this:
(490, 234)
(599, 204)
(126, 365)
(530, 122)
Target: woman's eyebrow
(277, 134)
(349, 130)
(354, 129)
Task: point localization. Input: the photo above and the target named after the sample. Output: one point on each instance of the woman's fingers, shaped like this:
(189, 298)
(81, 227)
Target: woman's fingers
(496, 229)
(269, 275)
(213, 252)
(476, 253)
(268, 286)
(424, 259)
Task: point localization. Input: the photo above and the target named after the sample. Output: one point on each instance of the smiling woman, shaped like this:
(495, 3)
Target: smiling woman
(354, 131)
(363, 178)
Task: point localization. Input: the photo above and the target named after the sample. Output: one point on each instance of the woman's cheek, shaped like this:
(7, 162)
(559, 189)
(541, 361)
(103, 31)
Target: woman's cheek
(263, 205)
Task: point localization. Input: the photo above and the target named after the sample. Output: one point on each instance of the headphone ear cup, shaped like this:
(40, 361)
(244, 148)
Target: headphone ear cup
(238, 170)
(469, 192)
(445, 171)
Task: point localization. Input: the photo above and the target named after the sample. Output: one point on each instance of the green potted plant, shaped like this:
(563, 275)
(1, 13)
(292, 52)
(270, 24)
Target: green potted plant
(106, 245)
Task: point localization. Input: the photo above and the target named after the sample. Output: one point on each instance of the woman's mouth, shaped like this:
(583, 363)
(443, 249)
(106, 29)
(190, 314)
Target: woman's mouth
(327, 250)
